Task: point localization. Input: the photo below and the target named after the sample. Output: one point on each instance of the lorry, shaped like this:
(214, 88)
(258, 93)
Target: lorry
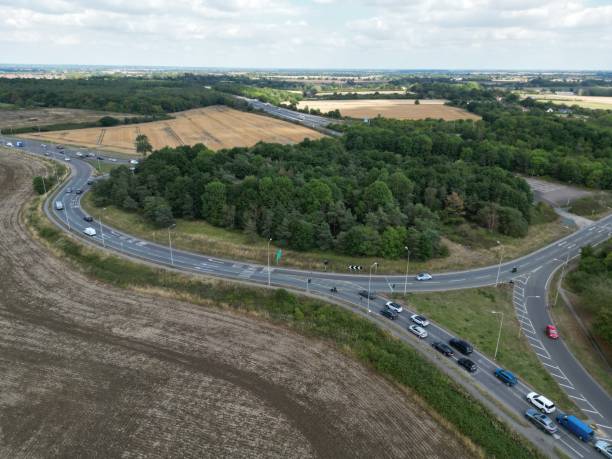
(575, 426)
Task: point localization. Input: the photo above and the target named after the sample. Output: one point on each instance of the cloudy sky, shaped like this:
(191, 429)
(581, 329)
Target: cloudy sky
(407, 34)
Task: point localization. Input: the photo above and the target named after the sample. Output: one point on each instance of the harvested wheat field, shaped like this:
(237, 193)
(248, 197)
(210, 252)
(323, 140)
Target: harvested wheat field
(88, 370)
(592, 102)
(216, 127)
(403, 109)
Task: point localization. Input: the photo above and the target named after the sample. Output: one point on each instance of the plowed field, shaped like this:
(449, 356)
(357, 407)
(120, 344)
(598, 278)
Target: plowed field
(92, 371)
(216, 127)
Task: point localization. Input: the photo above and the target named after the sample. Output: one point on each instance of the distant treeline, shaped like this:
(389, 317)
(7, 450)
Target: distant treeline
(143, 96)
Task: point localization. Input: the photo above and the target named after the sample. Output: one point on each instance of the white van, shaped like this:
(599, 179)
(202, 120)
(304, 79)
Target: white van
(89, 231)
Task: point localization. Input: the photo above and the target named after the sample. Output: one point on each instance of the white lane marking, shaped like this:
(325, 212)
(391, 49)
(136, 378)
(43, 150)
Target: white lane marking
(557, 376)
(456, 280)
(565, 385)
(571, 246)
(482, 277)
(578, 398)
(566, 444)
(536, 270)
(591, 411)
(543, 356)
(562, 243)
(528, 331)
(549, 365)
(603, 427)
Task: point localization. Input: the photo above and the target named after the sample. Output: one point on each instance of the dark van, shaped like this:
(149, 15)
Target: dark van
(462, 346)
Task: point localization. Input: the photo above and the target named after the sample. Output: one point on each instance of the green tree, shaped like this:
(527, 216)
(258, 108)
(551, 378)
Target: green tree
(214, 202)
(158, 211)
(143, 146)
(39, 185)
(377, 195)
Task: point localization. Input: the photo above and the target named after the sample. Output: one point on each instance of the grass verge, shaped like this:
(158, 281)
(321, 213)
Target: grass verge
(467, 313)
(576, 339)
(199, 236)
(594, 206)
(355, 335)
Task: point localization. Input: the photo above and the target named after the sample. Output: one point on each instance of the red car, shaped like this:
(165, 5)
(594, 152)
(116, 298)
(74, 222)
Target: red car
(551, 332)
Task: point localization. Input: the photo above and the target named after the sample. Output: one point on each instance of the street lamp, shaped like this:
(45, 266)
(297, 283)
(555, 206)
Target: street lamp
(375, 264)
(170, 243)
(101, 232)
(407, 266)
(269, 240)
(501, 256)
(501, 322)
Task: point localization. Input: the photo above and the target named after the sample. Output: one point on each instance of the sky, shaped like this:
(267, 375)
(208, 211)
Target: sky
(372, 34)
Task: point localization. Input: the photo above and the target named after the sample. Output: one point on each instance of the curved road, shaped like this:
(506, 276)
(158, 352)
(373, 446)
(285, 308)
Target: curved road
(530, 291)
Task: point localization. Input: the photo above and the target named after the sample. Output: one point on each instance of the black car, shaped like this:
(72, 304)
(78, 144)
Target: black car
(467, 364)
(389, 313)
(88, 218)
(79, 191)
(443, 348)
(462, 346)
(90, 182)
(366, 294)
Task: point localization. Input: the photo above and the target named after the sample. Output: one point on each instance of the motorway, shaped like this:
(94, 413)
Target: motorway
(530, 299)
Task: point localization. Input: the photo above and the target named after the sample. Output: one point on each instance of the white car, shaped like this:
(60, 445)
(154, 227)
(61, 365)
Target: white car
(419, 331)
(541, 403)
(66, 158)
(396, 307)
(420, 320)
(9, 144)
(423, 277)
(90, 231)
(114, 160)
(133, 161)
(604, 447)
(79, 154)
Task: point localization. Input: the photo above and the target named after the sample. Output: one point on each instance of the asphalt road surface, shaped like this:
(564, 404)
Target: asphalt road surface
(533, 273)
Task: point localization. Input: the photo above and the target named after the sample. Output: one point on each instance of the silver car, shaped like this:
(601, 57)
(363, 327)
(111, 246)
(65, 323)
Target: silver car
(419, 331)
(541, 421)
(604, 447)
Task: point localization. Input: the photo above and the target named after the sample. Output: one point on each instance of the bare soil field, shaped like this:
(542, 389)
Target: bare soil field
(404, 109)
(87, 370)
(43, 116)
(216, 127)
(593, 102)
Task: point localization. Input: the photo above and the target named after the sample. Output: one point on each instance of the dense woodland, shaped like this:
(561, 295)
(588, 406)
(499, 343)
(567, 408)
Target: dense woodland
(143, 96)
(592, 281)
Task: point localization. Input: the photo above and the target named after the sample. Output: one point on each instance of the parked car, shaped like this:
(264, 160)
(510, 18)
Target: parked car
(467, 364)
(389, 313)
(551, 332)
(604, 447)
(396, 307)
(87, 218)
(417, 330)
(462, 346)
(506, 377)
(541, 402)
(576, 426)
(366, 294)
(420, 320)
(423, 277)
(541, 421)
(443, 348)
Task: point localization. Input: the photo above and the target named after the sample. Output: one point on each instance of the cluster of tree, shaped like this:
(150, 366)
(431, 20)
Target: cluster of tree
(146, 96)
(43, 184)
(592, 280)
(372, 192)
(270, 95)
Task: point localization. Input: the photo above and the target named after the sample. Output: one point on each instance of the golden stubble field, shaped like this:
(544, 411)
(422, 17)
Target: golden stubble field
(216, 127)
(592, 102)
(404, 109)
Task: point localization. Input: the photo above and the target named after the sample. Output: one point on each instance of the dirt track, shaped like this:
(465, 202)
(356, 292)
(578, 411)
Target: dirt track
(91, 371)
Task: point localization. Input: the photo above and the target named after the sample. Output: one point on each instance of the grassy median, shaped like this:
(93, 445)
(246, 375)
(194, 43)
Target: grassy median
(467, 313)
(355, 335)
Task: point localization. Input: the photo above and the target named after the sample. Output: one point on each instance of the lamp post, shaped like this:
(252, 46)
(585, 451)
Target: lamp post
(170, 243)
(501, 322)
(407, 266)
(370, 283)
(101, 232)
(269, 240)
(501, 256)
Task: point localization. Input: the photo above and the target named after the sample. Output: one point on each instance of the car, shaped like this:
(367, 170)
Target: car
(133, 161)
(541, 402)
(19, 143)
(541, 421)
(389, 313)
(78, 191)
(506, 377)
(604, 447)
(90, 182)
(419, 331)
(59, 147)
(396, 307)
(79, 154)
(88, 218)
(69, 190)
(467, 364)
(66, 158)
(100, 157)
(43, 145)
(367, 294)
(462, 346)
(443, 348)
(89, 231)
(9, 144)
(551, 332)
(423, 277)
(114, 160)
(419, 320)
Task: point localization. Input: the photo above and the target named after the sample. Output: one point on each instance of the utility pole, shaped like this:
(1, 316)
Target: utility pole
(170, 243)
(501, 256)
(101, 233)
(407, 266)
(375, 264)
(501, 322)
